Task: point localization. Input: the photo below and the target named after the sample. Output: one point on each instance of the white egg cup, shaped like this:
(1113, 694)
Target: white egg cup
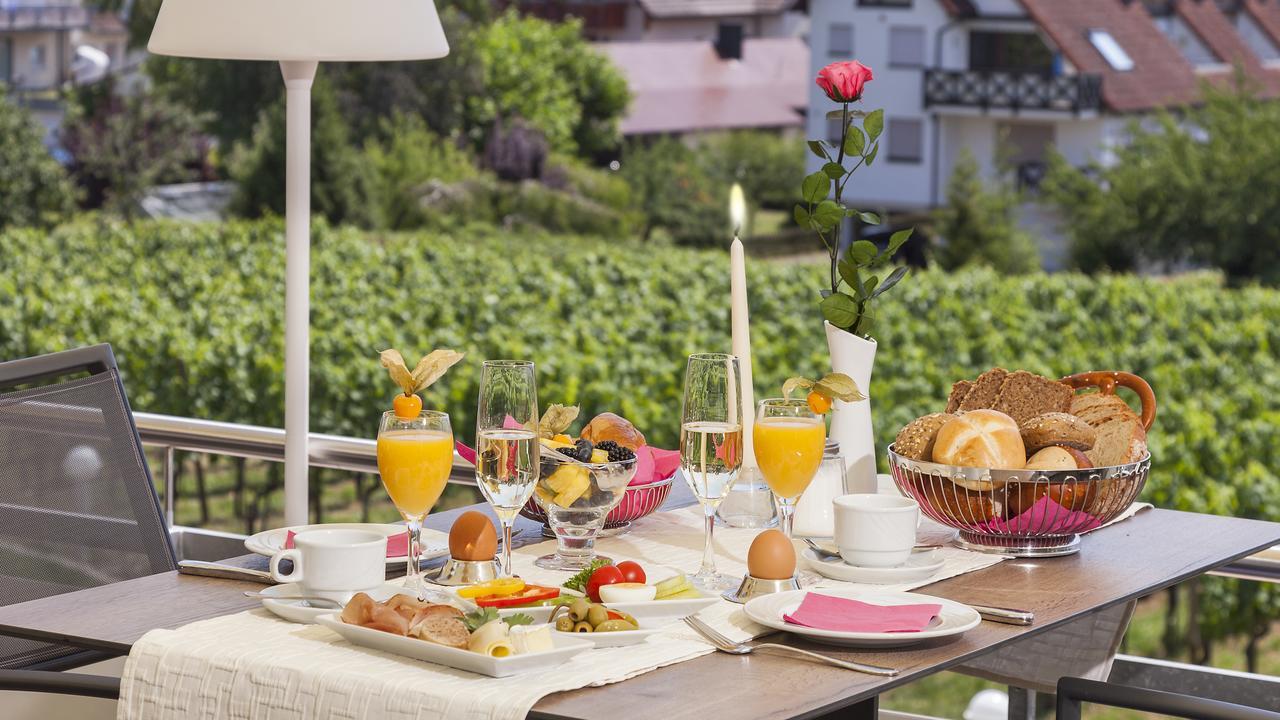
(465, 572)
(753, 587)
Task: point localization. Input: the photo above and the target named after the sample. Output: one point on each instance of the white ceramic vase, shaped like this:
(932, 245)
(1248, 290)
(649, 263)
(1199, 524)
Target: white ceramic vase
(851, 422)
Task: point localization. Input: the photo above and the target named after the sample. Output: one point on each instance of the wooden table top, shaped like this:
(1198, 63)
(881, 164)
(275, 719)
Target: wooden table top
(1151, 551)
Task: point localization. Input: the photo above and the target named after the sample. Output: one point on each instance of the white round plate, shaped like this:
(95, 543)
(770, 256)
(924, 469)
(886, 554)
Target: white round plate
(300, 612)
(920, 566)
(953, 619)
(269, 542)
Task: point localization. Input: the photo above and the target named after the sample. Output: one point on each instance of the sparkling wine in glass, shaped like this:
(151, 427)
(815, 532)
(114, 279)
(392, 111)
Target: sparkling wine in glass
(507, 448)
(415, 456)
(789, 439)
(711, 447)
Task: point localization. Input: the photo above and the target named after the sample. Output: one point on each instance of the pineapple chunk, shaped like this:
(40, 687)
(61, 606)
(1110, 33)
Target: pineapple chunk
(570, 482)
(599, 456)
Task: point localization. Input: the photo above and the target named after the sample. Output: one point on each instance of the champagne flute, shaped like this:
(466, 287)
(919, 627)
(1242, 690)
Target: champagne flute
(711, 447)
(415, 456)
(789, 439)
(507, 447)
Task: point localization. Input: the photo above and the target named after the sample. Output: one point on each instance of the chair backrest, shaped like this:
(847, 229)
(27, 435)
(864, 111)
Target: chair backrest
(1072, 692)
(77, 504)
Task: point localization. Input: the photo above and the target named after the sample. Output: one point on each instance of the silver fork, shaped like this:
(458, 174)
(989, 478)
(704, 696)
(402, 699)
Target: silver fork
(724, 644)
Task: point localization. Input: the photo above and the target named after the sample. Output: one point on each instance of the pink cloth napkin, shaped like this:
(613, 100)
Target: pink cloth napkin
(1044, 516)
(824, 612)
(397, 545)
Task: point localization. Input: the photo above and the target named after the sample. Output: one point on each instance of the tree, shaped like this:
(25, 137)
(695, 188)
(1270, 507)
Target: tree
(1198, 187)
(548, 75)
(404, 163)
(979, 225)
(34, 188)
(341, 184)
(675, 193)
(769, 165)
(122, 146)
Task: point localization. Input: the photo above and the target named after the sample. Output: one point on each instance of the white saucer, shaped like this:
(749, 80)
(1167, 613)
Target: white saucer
(920, 566)
(269, 542)
(300, 612)
(953, 619)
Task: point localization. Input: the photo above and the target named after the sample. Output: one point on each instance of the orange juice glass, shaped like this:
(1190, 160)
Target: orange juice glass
(788, 439)
(415, 456)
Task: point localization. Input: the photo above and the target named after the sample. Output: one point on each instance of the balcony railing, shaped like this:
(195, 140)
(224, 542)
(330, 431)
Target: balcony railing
(43, 17)
(597, 15)
(1013, 91)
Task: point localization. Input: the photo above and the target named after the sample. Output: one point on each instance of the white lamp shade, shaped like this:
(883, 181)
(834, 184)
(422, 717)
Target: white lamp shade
(339, 30)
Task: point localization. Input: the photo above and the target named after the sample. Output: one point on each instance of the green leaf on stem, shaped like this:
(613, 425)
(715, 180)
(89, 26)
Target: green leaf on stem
(874, 124)
(840, 310)
(854, 142)
(802, 216)
(871, 154)
(869, 218)
(839, 386)
(815, 187)
(849, 272)
(869, 287)
(836, 115)
(834, 170)
(863, 252)
(897, 239)
(819, 148)
(828, 214)
(897, 274)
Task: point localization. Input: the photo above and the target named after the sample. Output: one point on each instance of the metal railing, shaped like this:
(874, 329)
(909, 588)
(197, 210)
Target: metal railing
(171, 433)
(1014, 91)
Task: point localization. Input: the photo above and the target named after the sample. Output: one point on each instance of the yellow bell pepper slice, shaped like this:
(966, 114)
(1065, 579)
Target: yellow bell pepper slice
(498, 586)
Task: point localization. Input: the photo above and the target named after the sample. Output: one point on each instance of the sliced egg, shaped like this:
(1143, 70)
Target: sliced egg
(627, 592)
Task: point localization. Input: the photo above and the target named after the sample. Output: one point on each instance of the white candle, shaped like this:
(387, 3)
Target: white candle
(742, 344)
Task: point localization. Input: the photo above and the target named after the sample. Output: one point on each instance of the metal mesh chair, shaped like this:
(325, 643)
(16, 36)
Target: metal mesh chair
(77, 505)
(1072, 692)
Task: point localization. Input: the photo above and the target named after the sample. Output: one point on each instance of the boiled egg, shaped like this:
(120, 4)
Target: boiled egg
(472, 537)
(627, 593)
(771, 557)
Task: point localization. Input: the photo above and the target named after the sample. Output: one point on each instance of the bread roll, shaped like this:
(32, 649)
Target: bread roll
(1057, 428)
(915, 440)
(608, 426)
(965, 507)
(1074, 495)
(980, 439)
(1052, 458)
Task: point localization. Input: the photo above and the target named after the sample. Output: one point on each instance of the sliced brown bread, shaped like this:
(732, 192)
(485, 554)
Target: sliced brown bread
(982, 396)
(958, 392)
(1025, 395)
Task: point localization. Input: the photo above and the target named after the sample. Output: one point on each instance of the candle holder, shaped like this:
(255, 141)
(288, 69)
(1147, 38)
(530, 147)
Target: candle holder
(753, 587)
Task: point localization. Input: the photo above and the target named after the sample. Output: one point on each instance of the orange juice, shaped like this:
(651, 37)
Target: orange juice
(788, 451)
(415, 466)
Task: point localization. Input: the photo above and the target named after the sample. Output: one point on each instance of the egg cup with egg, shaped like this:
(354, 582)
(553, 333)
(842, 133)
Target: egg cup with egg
(771, 568)
(473, 549)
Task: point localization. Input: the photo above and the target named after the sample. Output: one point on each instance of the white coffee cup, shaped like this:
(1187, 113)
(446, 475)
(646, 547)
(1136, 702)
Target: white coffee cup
(334, 564)
(875, 530)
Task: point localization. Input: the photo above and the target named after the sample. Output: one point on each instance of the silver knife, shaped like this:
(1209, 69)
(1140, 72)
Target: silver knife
(222, 570)
(1008, 616)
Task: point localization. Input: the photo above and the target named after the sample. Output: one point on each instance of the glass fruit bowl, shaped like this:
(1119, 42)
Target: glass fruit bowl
(639, 501)
(575, 497)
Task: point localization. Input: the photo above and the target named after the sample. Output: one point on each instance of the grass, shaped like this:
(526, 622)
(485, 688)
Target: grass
(944, 695)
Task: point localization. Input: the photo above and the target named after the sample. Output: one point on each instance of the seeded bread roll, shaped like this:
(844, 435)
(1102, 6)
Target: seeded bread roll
(916, 439)
(1057, 428)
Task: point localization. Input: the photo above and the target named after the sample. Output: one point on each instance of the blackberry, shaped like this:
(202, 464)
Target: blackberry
(618, 453)
(581, 451)
(607, 445)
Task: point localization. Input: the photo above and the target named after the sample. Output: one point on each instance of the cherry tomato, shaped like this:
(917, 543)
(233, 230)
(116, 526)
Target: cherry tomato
(631, 571)
(607, 575)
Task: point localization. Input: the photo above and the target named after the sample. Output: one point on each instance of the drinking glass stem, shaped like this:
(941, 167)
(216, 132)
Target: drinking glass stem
(415, 557)
(708, 548)
(506, 546)
(786, 513)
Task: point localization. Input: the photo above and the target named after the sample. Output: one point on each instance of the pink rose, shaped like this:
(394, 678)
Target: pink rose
(843, 81)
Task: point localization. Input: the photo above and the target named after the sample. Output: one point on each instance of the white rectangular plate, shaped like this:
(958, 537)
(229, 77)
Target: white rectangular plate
(639, 610)
(565, 648)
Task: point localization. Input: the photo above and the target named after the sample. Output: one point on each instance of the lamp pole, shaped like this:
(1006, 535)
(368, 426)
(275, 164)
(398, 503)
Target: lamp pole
(298, 76)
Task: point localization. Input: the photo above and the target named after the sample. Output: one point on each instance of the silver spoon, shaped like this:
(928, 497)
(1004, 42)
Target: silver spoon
(319, 602)
(825, 553)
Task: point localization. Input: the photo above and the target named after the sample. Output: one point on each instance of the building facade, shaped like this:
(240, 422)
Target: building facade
(673, 20)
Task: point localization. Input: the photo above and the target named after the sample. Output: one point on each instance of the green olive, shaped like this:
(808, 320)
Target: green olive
(565, 624)
(597, 614)
(578, 609)
(615, 626)
(582, 627)
(626, 616)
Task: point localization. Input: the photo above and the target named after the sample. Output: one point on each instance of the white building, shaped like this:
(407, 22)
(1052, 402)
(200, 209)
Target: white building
(673, 20)
(1009, 79)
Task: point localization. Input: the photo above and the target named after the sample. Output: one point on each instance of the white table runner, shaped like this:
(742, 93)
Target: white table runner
(253, 665)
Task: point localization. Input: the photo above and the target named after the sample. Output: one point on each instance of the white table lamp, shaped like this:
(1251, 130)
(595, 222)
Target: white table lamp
(298, 34)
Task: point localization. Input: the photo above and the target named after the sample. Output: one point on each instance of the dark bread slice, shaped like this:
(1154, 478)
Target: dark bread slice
(1025, 395)
(958, 392)
(985, 390)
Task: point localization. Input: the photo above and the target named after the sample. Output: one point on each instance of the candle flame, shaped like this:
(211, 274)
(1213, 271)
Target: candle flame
(737, 209)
